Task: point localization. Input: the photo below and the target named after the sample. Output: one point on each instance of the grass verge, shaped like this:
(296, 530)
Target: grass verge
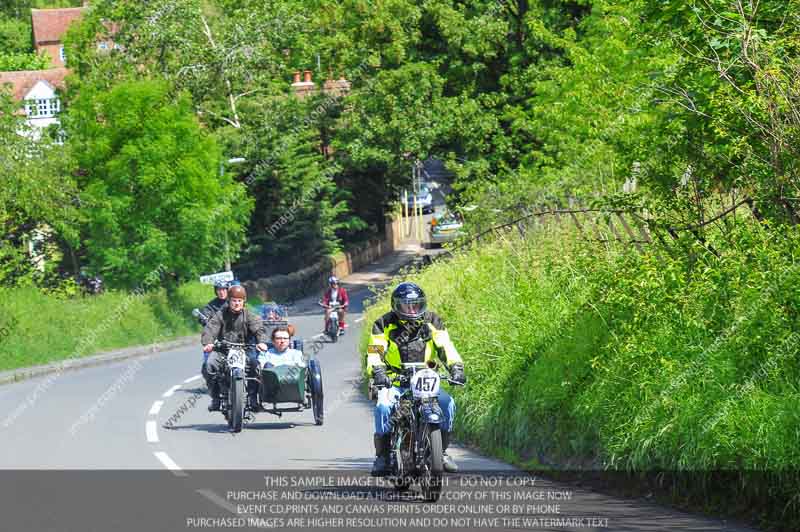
(590, 358)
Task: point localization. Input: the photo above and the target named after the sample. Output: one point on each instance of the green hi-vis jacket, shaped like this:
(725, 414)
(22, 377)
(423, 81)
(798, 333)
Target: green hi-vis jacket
(392, 344)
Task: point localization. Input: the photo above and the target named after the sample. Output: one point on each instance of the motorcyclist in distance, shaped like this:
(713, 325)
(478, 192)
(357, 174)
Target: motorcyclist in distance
(233, 323)
(216, 304)
(409, 334)
(333, 294)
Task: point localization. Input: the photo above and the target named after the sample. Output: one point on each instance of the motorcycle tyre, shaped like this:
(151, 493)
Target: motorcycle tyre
(431, 481)
(236, 419)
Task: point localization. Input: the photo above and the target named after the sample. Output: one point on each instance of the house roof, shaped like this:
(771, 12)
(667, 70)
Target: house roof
(23, 81)
(49, 25)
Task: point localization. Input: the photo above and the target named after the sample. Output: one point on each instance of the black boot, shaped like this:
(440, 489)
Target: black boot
(380, 467)
(448, 463)
(213, 391)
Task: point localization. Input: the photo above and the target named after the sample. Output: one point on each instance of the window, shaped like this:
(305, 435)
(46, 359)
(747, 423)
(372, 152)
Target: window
(62, 55)
(42, 108)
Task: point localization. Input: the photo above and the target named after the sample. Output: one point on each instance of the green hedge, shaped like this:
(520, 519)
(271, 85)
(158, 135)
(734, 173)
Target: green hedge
(598, 358)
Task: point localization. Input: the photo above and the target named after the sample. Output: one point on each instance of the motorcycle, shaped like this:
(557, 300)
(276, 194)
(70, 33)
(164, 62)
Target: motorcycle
(332, 324)
(416, 454)
(233, 368)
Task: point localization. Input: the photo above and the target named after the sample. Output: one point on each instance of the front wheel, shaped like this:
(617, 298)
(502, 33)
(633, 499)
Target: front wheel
(333, 330)
(433, 465)
(236, 405)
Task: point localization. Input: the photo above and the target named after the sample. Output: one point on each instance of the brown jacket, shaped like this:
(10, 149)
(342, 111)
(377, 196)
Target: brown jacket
(239, 328)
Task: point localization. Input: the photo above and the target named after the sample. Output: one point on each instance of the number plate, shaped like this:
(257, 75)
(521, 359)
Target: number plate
(236, 358)
(425, 384)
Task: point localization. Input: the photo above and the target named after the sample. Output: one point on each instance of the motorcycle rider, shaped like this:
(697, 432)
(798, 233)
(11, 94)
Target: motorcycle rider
(233, 323)
(216, 304)
(334, 294)
(409, 333)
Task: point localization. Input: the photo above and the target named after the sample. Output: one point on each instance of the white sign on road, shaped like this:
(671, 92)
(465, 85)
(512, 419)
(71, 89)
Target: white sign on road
(214, 277)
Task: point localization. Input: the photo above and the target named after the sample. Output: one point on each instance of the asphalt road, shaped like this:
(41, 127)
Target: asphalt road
(111, 420)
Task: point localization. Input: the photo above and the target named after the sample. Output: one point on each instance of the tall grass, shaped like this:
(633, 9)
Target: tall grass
(592, 357)
(44, 328)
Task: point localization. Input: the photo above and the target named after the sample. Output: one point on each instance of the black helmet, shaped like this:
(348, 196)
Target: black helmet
(220, 285)
(408, 302)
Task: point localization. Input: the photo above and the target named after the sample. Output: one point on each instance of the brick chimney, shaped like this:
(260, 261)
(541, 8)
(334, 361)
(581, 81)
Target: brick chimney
(305, 87)
(338, 87)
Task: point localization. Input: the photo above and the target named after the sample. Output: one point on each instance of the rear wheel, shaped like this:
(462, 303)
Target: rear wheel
(433, 465)
(237, 405)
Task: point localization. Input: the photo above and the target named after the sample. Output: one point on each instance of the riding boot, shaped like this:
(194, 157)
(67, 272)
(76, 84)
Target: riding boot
(213, 391)
(381, 465)
(448, 463)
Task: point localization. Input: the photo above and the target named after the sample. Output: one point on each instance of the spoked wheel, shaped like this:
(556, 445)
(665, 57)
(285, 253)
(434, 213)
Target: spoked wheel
(433, 465)
(315, 383)
(236, 417)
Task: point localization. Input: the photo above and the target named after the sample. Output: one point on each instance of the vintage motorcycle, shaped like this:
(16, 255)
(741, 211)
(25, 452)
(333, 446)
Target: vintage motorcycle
(416, 454)
(332, 324)
(233, 382)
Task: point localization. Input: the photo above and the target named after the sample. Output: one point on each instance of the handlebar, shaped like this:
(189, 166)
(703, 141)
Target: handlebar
(331, 305)
(225, 343)
(408, 370)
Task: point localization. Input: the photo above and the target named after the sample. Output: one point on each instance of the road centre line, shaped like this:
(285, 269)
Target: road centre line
(172, 390)
(154, 410)
(190, 379)
(152, 433)
(169, 464)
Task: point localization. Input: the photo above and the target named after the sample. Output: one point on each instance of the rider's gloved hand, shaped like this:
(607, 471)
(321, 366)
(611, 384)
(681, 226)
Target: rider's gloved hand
(457, 373)
(380, 378)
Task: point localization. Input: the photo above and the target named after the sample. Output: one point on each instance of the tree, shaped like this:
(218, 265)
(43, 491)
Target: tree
(150, 187)
(38, 203)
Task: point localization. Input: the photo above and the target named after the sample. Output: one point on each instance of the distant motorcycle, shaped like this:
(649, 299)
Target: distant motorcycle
(416, 454)
(332, 329)
(92, 285)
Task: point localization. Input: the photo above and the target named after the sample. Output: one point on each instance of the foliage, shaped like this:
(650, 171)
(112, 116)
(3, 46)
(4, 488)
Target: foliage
(37, 202)
(15, 35)
(24, 61)
(150, 189)
(604, 358)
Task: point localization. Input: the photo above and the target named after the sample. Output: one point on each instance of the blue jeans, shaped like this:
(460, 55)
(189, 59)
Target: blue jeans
(387, 399)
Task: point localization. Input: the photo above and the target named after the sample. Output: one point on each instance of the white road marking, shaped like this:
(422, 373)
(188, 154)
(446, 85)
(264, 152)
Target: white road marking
(359, 320)
(219, 501)
(155, 408)
(150, 430)
(169, 464)
(190, 379)
(172, 390)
